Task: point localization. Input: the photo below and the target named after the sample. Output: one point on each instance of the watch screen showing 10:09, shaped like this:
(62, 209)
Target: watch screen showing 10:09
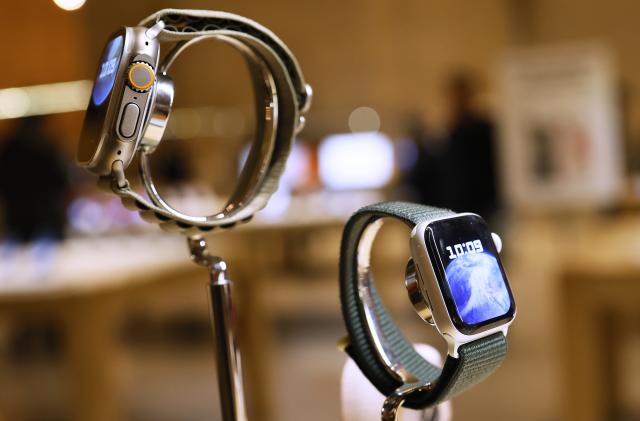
(460, 249)
(475, 286)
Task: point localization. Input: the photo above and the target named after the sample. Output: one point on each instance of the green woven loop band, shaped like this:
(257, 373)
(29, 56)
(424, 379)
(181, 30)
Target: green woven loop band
(476, 360)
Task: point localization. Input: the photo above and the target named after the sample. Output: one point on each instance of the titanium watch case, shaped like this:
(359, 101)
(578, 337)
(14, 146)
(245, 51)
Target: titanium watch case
(425, 280)
(102, 142)
(282, 98)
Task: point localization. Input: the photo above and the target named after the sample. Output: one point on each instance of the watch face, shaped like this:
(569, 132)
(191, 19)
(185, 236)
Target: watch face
(471, 276)
(107, 71)
(100, 96)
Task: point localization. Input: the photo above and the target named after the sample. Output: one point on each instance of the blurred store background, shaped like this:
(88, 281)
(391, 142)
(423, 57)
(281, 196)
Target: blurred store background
(525, 111)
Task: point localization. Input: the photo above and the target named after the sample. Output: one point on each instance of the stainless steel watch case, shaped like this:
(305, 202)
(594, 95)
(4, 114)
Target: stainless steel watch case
(423, 286)
(140, 45)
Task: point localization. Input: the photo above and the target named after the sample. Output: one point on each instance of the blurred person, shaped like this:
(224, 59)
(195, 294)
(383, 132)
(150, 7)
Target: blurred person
(469, 164)
(33, 184)
(174, 166)
(422, 156)
(33, 191)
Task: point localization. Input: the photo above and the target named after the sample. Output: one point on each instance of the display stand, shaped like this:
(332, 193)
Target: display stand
(361, 401)
(358, 394)
(227, 354)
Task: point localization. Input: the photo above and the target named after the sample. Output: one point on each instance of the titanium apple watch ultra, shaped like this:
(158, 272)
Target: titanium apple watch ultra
(133, 94)
(456, 283)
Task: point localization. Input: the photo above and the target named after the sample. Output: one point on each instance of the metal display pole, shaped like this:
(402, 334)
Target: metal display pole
(142, 84)
(227, 354)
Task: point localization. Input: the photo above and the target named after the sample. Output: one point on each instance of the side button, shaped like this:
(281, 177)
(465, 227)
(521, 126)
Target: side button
(129, 120)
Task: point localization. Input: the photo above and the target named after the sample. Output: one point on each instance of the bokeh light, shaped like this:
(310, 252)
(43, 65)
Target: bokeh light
(69, 4)
(364, 119)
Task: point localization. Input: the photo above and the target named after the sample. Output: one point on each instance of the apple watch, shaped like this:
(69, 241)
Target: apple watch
(454, 280)
(132, 97)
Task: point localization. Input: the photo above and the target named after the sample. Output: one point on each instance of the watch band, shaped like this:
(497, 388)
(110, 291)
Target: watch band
(186, 24)
(364, 313)
(282, 98)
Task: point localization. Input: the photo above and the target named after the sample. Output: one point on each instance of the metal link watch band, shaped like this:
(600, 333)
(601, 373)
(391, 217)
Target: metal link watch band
(282, 98)
(423, 384)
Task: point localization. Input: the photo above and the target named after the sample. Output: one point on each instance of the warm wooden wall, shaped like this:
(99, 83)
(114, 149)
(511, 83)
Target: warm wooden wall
(390, 55)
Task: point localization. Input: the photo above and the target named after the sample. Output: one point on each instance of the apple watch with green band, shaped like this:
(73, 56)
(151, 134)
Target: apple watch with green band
(455, 281)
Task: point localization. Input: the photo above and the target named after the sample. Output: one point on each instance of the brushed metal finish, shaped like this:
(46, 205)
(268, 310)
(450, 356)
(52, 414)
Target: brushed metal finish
(159, 115)
(129, 120)
(419, 301)
(228, 361)
(113, 146)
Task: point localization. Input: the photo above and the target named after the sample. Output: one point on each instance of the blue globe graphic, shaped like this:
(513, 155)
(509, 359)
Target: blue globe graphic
(477, 287)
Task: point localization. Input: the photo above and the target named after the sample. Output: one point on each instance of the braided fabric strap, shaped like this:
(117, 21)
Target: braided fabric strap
(185, 24)
(476, 360)
(167, 221)
(282, 98)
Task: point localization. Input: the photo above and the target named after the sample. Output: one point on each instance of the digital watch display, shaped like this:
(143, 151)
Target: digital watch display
(473, 281)
(107, 71)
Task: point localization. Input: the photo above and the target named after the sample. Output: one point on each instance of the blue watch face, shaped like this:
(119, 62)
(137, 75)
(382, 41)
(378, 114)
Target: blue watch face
(96, 114)
(107, 70)
(475, 286)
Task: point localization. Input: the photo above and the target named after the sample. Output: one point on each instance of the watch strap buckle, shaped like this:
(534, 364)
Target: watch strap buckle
(393, 402)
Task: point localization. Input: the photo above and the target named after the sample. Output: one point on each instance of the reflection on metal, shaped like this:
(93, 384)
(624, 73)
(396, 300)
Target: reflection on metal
(159, 115)
(392, 404)
(227, 354)
(384, 348)
(416, 296)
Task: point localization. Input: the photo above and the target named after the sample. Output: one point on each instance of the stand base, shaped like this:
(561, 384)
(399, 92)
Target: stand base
(361, 401)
